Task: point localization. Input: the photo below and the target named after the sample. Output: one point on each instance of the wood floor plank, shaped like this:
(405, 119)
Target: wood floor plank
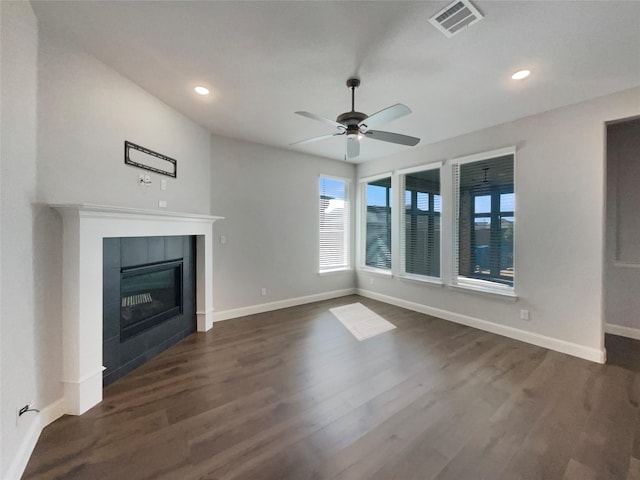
(606, 443)
(447, 416)
(368, 404)
(325, 407)
(290, 394)
(546, 450)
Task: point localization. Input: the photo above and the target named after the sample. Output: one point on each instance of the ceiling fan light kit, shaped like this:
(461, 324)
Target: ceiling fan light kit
(357, 125)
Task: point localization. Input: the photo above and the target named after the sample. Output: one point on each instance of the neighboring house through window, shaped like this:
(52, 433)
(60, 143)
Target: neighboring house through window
(334, 224)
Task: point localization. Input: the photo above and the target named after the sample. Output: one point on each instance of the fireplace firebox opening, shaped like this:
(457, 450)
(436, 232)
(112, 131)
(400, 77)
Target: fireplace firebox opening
(149, 295)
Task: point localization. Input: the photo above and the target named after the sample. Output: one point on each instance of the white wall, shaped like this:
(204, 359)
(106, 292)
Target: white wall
(19, 326)
(65, 117)
(559, 245)
(86, 112)
(622, 291)
(269, 198)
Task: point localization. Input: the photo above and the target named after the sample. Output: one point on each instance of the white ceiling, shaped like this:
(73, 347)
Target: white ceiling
(264, 60)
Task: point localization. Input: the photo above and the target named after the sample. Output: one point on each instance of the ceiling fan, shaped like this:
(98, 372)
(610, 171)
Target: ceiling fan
(357, 125)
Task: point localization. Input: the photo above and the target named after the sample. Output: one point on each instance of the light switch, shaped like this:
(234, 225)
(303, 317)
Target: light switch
(223, 239)
(163, 184)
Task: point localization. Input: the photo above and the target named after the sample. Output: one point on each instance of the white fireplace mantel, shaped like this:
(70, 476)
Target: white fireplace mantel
(84, 227)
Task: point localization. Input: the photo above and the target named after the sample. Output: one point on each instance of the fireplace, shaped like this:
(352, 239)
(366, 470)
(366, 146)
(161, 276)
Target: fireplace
(84, 228)
(149, 295)
(148, 299)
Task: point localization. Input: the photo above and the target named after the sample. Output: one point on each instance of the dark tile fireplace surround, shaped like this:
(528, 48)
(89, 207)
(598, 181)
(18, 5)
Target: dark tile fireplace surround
(127, 262)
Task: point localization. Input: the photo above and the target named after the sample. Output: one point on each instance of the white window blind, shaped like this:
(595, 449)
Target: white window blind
(485, 220)
(334, 223)
(377, 195)
(420, 223)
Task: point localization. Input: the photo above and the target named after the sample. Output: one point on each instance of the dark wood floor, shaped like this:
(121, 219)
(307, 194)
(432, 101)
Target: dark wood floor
(292, 395)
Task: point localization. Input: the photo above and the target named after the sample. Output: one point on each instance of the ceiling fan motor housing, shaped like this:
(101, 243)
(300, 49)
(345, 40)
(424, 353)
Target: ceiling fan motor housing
(351, 120)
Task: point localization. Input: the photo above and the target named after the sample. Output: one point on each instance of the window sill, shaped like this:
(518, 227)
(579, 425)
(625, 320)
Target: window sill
(422, 279)
(377, 271)
(331, 271)
(486, 288)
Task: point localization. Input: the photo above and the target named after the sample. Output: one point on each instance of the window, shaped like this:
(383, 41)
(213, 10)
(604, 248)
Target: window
(485, 220)
(420, 223)
(377, 199)
(334, 224)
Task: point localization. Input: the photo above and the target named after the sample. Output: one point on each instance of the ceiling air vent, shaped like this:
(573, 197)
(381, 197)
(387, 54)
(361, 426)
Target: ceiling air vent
(454, 17)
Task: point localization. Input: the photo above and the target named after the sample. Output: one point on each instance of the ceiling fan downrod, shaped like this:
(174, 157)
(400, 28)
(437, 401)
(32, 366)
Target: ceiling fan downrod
(353, 83)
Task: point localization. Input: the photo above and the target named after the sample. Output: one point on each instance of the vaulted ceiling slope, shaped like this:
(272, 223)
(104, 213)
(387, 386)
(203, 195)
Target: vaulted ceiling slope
(265, 60)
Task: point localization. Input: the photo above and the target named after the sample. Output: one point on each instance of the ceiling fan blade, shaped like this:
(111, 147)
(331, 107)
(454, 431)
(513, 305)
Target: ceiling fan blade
(385, 116)
(353, 147)
(313, 116)
(392, 137)
(315, 139)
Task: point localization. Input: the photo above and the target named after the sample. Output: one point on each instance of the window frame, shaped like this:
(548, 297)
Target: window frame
(480, 284)
(401, 174)
(362, 211)
(347, 228)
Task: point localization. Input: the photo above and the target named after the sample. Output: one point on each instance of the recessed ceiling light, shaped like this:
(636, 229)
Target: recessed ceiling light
(520, 75)
(202, 90)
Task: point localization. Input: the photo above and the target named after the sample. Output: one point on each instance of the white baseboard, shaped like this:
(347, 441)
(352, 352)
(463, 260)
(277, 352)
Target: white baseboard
(52, 412)
(219, 316)
(204, 320)
(47, 415)
(19, 462)
(574, 349)
(629, 332)
(83, 393)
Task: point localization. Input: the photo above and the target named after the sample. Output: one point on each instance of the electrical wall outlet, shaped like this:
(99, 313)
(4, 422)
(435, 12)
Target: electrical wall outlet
(162, 203)
(524, 315)
(22, 410)
(263, 292)
(144, 180)
(163, 184)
